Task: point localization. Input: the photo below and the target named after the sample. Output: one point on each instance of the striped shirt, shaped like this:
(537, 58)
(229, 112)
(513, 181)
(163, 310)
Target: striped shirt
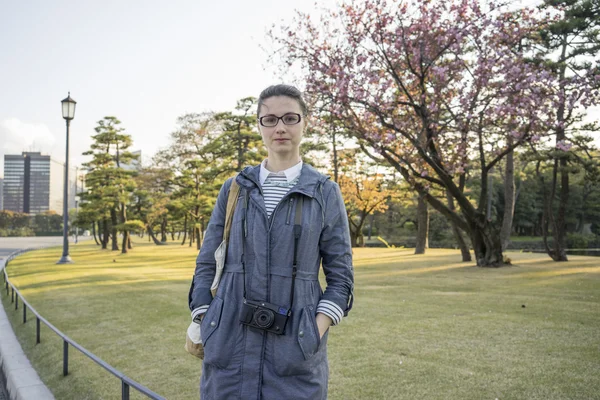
(275, 187)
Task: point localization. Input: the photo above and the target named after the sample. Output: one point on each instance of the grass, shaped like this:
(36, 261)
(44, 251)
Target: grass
(423, 327)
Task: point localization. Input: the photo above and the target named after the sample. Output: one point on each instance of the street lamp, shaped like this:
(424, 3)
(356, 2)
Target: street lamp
(68, 113)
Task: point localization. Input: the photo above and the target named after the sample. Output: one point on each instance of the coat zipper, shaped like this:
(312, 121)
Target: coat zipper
(287, 222)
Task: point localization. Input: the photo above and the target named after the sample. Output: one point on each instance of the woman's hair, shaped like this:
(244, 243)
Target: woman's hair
(282, 90)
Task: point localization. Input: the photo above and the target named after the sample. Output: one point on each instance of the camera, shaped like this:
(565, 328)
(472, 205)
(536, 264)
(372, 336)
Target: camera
(265, 316)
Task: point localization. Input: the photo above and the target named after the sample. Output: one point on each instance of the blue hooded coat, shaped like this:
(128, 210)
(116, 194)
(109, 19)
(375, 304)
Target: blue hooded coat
(242, 362)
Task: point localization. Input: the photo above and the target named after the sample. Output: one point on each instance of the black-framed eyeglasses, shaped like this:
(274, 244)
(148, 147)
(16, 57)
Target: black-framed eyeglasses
(288, 119)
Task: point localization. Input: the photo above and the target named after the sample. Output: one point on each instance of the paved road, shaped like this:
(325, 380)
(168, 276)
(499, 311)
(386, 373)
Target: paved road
(10, 245)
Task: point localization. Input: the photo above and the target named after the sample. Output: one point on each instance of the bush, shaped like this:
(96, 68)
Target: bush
(579, 241)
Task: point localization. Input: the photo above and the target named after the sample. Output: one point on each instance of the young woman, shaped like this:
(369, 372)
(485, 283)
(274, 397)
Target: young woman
(265, 331)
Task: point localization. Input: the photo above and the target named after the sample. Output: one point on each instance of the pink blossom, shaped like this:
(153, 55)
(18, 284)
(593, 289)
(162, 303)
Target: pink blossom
(563, 145)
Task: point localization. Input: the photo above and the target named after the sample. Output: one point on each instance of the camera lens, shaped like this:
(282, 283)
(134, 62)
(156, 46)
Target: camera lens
(264, 318)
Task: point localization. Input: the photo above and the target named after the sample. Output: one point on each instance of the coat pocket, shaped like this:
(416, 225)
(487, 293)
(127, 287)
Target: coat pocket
(298, 352)
(211, 320)
(218, 338)
(308, 333)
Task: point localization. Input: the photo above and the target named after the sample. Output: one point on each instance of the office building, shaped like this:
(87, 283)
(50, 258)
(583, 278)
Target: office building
(33, 183)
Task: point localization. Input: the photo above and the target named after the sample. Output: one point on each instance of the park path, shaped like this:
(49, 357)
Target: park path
(12, 244)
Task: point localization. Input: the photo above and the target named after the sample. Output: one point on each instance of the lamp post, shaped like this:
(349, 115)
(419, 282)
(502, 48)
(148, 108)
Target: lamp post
(68, 113)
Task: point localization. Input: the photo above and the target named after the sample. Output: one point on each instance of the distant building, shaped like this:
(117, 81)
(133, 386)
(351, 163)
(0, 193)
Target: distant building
(33, 183)
(135, 164)
(14, 181)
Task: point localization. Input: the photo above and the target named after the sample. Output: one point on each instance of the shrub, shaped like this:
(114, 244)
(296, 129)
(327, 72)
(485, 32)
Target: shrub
(578, 240)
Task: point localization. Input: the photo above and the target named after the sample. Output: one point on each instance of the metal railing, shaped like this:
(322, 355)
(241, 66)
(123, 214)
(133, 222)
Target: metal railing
(126, 382)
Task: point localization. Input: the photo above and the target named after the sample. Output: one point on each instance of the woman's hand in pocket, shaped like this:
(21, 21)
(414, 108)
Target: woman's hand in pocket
(323, 323)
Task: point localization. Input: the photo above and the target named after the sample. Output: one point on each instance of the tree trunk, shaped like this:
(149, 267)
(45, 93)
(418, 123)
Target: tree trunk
(361, 240)
(184, 229)
(560, 228)
(422, 226)
(192, 230)
(356, 239)
(371, 225)
(113, 220)
(125, 232)
(509, 198)
(490, 196)
(462, 244)
(124, 243)
(173, 234)
(558, 253)
(151, 235)
(94, 232)
(105, 233)
(197, 234)
(582, 215)
(129, 245)
(486, 243)
(485, 239)
(202, 230)
(353, 239)
(163, 230)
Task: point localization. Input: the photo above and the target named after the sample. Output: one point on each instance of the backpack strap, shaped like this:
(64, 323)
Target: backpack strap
(232, 199)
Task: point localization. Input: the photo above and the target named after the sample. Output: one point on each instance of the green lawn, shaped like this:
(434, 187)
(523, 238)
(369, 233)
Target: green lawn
(423, 327)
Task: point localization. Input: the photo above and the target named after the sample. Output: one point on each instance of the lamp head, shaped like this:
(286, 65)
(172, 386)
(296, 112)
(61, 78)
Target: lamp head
(68, 107)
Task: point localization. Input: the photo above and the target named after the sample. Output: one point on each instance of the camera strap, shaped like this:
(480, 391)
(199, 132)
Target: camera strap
(245, 234)
(297, 234)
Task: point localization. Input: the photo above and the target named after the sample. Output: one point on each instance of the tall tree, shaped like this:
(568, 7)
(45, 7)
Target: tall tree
(569, 46)
(239, 143)
(110, 185)
(199, 167)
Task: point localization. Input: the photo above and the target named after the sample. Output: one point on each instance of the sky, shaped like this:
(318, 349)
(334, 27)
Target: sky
(145, 62)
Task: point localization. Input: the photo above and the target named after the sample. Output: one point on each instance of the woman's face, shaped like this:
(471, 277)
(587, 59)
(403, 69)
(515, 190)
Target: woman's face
(281, 139)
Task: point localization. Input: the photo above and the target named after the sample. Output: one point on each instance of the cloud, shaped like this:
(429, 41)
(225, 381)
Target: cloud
(18, 136)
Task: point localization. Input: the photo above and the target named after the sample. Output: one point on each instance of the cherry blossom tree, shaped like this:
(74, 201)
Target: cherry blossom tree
(439, 89)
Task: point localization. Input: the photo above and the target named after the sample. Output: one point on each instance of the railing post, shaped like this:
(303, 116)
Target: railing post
(37, 330)
(24, 313)
(65, 358)
(124, 390)
(16, 302)
(12, 294)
